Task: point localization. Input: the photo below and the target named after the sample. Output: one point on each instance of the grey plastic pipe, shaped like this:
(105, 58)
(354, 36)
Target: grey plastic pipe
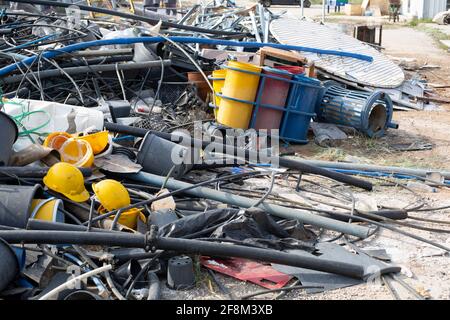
(243, 202)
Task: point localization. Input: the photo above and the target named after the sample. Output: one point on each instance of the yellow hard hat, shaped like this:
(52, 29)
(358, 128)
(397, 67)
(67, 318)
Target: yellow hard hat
(77, 152)
(128, 218)
(47, 209)
(111, 194)
(56, 139)
(98, 140)
(67, 179)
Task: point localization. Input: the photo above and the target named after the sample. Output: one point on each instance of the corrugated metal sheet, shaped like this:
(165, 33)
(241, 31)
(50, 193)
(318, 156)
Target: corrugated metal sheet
(423, 9)
(433, 7)
(381, 73)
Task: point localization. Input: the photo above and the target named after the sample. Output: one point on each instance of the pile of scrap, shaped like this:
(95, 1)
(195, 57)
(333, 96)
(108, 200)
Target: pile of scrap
(127, 155)
(442, 17)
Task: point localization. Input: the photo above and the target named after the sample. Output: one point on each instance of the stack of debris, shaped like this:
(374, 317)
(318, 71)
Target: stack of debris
(99, 179)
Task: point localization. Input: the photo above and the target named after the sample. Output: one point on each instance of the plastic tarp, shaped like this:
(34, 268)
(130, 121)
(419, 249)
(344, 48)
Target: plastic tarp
(256, 227)
(56, 116)
(197, 222)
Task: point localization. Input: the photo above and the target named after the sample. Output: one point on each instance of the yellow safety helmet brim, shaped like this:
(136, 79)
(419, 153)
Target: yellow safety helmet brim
(80, 197)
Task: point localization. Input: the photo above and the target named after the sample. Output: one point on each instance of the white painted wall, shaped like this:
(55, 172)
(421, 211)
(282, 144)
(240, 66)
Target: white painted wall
(423, 8)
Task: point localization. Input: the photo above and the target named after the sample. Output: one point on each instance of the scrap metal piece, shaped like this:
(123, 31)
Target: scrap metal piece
(381, 72)
(247, 270)
(118, 163)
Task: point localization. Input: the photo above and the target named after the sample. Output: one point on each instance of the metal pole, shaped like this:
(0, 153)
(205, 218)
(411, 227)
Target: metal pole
(323, 11)
(303, 8)
(255, 27)
(243, 202)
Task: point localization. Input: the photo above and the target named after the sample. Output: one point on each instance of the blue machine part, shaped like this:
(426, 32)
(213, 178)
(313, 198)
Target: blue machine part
(368, 112)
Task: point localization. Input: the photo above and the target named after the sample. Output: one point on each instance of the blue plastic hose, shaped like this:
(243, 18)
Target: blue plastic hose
(380, 174)
(123, 41)
(24, 45)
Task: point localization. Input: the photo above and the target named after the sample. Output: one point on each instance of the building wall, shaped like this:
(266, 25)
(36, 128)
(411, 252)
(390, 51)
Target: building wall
(423, 9)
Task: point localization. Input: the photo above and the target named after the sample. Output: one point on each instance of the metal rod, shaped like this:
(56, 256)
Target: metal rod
(255, 27)
(323, 11)
(188, 14)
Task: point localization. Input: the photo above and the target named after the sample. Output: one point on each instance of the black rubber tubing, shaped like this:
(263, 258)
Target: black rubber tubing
(390, 214)
(44, 74)
(36, 224)
(166, 24)
(287, 163)
(183, 245)
(33, 172)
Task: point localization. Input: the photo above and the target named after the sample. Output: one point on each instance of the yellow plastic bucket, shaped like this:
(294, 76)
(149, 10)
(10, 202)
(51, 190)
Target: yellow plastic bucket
(47, 209)
(218, 77)
(238, 85)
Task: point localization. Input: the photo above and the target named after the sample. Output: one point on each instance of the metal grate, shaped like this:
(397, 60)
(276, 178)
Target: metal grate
(381, 73)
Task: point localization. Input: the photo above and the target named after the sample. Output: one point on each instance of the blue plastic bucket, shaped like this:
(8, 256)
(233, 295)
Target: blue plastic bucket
(300, 107)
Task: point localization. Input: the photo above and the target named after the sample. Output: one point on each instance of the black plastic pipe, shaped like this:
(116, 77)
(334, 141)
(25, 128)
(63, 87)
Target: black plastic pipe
(165, 24)
(33, 172)
(283, 162)
(185, 246)
(87, 69)
(390, 214)
(78, 62)
(35, 224)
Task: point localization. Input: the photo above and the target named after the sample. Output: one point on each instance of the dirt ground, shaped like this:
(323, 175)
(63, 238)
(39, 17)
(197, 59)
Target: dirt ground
(423, 266)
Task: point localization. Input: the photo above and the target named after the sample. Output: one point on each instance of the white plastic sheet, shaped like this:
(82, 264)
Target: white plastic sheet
(60, 117)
